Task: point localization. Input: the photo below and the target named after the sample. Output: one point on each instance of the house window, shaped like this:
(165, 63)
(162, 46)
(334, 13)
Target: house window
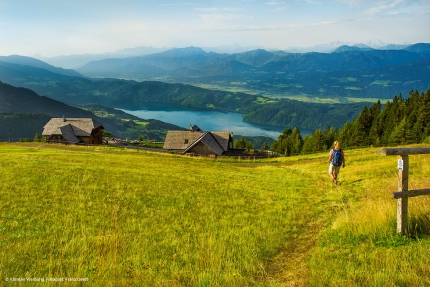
(185, 141)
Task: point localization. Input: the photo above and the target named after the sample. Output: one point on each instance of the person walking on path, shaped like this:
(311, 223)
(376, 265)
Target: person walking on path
(336, 160)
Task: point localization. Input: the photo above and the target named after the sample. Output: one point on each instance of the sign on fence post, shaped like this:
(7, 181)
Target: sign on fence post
(403, 193)
(402, 202)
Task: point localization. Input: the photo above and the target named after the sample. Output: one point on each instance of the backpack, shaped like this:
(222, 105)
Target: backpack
(337, 157)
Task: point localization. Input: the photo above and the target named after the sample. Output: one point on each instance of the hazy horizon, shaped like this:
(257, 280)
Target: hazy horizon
(54, 28)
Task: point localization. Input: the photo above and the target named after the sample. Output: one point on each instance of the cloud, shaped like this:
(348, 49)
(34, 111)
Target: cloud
(277, 6)
(391, 9)
(384, 7)
(312, 2)
(218, 9)
(179, 4)
(275, 3)
(219, 22)
(223, 16)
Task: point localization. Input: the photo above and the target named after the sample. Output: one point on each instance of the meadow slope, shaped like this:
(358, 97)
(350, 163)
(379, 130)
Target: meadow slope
(135, 218)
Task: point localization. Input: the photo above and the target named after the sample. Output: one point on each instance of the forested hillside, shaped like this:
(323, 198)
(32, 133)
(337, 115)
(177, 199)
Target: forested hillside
(136, 95)
(23, 113)
(15, 126)
(400, 122)
(14, 99)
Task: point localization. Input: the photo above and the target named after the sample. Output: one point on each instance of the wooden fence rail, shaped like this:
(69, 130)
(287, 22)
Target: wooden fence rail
(410, 193)
(403, 193)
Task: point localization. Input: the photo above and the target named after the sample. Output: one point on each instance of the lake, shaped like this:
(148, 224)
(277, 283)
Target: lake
(211, 121)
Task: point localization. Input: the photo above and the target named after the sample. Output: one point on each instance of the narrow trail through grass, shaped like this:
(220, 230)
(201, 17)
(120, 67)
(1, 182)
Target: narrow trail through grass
(125, 217)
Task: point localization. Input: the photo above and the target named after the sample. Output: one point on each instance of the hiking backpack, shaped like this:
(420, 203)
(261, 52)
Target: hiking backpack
(337, 157)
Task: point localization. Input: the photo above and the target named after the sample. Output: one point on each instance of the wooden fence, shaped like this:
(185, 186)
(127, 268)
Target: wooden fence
(403, 193)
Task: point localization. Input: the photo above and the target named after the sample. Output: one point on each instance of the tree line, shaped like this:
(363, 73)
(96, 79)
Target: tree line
(399, 122)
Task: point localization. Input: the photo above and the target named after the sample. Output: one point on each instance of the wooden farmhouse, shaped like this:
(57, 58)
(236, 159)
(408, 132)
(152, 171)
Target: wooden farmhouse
(73, 130)
(196, 141)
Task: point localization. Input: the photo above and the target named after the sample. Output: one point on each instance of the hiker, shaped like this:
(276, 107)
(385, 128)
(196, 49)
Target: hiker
(336, 159)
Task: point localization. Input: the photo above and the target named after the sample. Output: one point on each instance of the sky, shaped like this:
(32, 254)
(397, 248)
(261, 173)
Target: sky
(59, 27)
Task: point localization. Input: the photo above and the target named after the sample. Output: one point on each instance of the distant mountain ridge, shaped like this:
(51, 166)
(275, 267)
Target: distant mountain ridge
(355, 71)
(76, 61)
(419, 48)
(28, 61)
(197, 58)
(79, 60)
(346, 48)
(330, 47)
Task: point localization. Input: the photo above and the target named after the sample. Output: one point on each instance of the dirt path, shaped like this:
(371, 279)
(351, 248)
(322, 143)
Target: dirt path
(290, 267)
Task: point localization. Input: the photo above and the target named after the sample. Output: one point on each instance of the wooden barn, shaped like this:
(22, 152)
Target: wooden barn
(73, 130)
(196, 141)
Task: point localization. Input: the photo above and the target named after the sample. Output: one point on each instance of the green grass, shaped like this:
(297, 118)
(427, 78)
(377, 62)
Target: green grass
(359, 100)
(353, 88)
(126, 217)
(229, 87)
(141, 123)
(386, 83)
(300, 97)
(263, 101)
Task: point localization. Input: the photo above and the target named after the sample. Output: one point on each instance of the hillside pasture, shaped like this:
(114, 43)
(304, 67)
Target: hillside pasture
(125, 217)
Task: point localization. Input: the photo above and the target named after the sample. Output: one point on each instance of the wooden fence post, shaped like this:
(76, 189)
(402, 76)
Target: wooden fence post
(402, 202)
(403, 192)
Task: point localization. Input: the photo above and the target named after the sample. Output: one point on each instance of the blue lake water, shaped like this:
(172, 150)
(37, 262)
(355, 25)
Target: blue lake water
(211, 121)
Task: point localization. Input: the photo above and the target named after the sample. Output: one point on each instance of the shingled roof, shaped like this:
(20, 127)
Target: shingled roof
(209, 140)
(181, 140)
(222, 138)
(81, 127)
(67, 133)
(184, 141)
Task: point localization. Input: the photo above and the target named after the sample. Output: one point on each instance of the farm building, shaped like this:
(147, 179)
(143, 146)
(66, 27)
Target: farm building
(196, 141)
(73, 130)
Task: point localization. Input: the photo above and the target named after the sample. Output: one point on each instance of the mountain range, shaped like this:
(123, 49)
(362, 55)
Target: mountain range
(79, 60)
(172, 77)
(133, 95)
(32, 62)
(347, 72)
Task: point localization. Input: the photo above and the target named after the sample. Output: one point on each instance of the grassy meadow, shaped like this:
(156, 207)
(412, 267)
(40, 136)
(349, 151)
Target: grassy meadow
(118, 217)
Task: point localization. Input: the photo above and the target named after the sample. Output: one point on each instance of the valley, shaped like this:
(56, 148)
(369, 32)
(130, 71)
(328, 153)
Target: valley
(347, 72)
(273, 89)
(198, 143)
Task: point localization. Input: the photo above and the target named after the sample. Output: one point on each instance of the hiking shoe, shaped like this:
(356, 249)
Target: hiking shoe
(335, 181)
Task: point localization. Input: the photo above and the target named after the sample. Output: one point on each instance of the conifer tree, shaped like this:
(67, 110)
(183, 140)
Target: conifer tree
(308, 146)
(402, 134)
(422, 124)
(242, 142)
(314, 143)
(296, 141)
(284, 142)
(363, 126)
(344, 134)
(37, 137)
(264, 146)
(329, 137)
(376, 130)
